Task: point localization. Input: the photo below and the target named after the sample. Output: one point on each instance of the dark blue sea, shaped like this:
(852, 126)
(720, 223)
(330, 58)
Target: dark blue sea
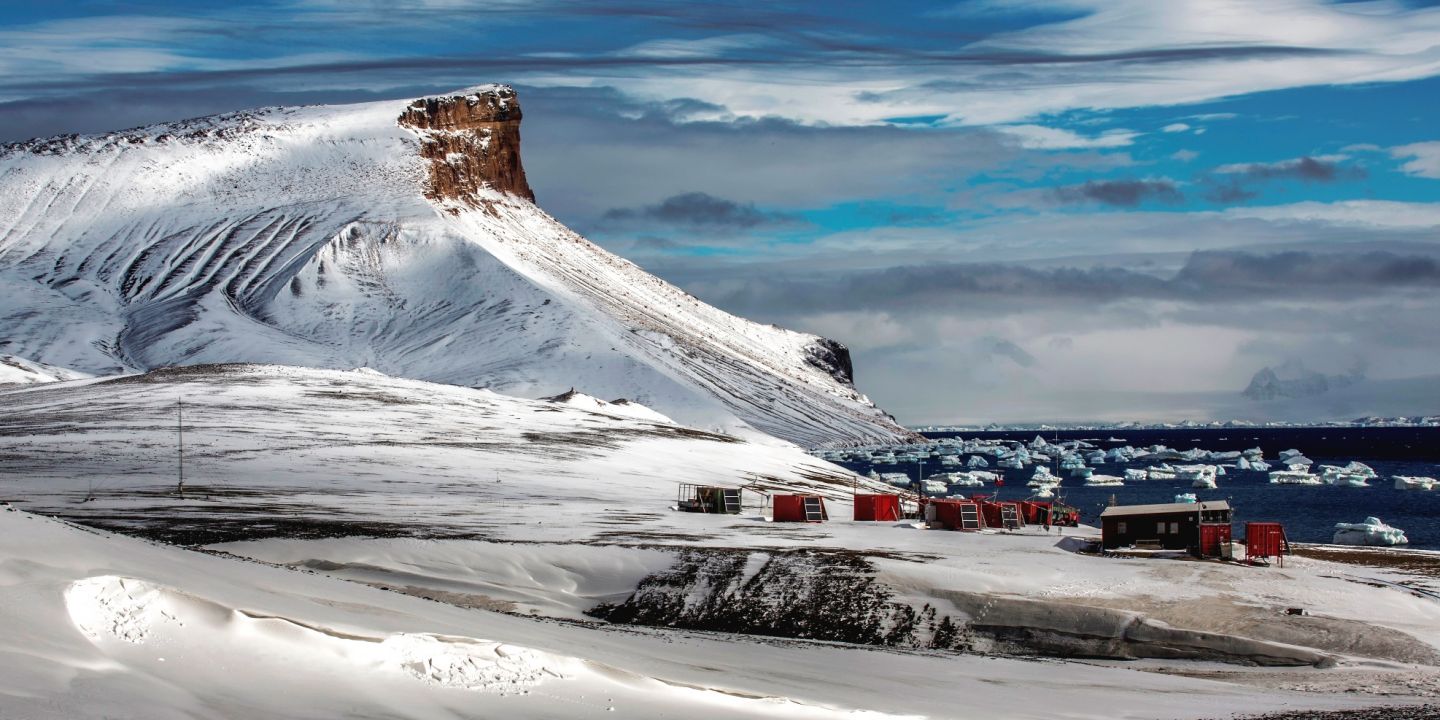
(1308, 512)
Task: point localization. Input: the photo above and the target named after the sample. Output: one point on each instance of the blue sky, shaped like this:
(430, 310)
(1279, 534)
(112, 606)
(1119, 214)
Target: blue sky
(1010, 209)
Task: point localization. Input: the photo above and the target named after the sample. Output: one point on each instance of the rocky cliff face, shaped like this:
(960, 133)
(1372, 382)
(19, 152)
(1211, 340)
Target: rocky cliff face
(472, 142)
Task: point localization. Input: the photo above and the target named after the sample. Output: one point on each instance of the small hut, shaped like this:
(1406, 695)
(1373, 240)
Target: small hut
(708, 499)
(1000, 513)
(954, 514)
(799, 508)
(1265, 540)
(877, 508)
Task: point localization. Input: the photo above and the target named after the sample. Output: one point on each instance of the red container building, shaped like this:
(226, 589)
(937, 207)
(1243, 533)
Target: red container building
(954, 514)
(877, 508)
(1264, 540)
(799, 508)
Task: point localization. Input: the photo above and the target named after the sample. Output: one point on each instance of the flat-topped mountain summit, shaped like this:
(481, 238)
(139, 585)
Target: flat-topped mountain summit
(397, 235)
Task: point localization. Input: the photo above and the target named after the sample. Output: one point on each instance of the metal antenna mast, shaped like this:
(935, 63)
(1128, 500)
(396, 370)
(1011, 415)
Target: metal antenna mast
(180, 441)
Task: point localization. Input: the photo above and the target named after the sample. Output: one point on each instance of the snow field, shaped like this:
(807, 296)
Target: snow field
(97, 624)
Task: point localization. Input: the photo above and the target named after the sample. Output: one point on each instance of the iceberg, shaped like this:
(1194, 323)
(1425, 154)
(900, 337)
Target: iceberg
(1342, 477)
(1162, 472)
(1136, 475)
(1095, 458)
(1371, 532)
(1355, 467)
(1407, 482)
(1186, 498)
(1104, 481)
(977, 461)
(1294, 477)
(896, 479)
(1199, 476)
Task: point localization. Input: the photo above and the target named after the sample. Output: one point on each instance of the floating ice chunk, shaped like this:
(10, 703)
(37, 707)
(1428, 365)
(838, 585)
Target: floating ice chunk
(1161, 472)
(1136, 475)
(1104, 481)
(977, 461)
(1294, 477)
(1186, 498)
(1200, 476)
(1370, 532)
(1012, 462)
(1407, 482)
(1342, 477)
(1355, 467)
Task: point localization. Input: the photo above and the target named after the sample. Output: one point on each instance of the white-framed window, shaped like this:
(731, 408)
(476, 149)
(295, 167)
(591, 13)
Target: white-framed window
(1160, 528)
(1174, 528)
(1120, 527)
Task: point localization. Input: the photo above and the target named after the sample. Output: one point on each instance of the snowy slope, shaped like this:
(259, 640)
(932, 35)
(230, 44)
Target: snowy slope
(97, 625)
(292, 451)
(14, 371)
(337, 237)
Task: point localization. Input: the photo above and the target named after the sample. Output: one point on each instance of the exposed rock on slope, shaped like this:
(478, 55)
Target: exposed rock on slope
(472, 142)
(392, 235)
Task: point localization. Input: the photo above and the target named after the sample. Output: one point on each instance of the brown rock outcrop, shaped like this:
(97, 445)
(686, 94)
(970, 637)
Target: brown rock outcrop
(472, 142)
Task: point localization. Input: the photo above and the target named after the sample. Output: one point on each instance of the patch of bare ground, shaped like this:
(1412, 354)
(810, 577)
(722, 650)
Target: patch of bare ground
(1420, 563)
(1232, 615)
(1400, 712)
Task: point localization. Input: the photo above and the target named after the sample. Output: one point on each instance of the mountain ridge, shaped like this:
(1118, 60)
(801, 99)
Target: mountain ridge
(341, 236)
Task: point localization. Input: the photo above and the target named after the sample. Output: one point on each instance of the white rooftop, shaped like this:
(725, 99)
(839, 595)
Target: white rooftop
(1161, 508)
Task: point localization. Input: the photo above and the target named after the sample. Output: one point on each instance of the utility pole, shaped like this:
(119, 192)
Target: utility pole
(180, 442)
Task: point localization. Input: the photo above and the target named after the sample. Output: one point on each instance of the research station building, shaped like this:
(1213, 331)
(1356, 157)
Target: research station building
(1201, 526)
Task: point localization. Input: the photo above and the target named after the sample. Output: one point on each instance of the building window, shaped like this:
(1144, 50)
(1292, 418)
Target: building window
(1175, 528)
(1159, 528)
(1120, 527)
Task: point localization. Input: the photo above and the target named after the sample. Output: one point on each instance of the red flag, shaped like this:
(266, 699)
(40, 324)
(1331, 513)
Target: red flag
(1000, 482)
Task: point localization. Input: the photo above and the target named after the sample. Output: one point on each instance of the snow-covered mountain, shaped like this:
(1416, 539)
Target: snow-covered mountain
(399, 236)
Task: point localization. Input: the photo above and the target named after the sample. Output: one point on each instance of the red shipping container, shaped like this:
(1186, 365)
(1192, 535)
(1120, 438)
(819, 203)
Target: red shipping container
(950, 514)
(1265, 540)
(799, 508)
(878, 508)
(1213, 538)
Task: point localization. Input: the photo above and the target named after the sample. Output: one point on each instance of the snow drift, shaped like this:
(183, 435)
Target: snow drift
(399, 236)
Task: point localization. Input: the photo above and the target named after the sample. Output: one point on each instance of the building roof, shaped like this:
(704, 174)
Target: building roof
(1164, 508)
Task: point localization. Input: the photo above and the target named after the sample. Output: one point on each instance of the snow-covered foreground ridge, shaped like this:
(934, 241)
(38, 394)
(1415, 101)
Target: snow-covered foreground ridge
(99, 625)
(394, 235)
(275, 450)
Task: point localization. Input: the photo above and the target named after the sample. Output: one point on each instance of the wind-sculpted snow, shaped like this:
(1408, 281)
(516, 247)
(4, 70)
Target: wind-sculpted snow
(317, 237)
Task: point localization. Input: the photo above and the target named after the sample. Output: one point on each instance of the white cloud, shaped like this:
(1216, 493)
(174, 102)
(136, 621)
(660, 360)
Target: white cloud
(1424, 158)
(1364, 213)
(1175, 127)
(1122, 54)
(1040, 137)
(1184, 155)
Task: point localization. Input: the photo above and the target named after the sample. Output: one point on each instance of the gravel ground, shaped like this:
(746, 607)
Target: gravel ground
(1413, 712)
